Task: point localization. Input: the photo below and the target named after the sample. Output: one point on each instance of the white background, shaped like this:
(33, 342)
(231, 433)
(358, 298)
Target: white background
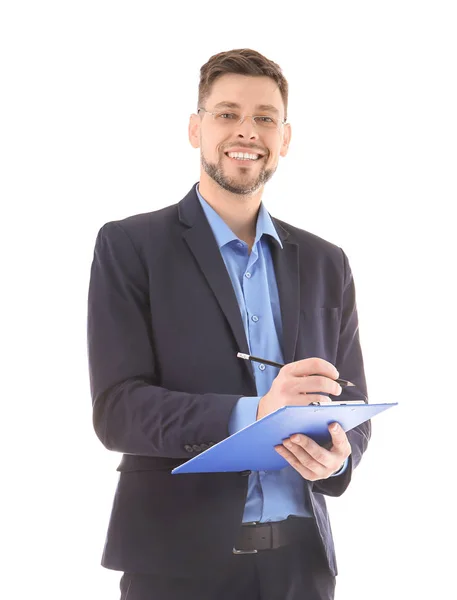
(95, 99)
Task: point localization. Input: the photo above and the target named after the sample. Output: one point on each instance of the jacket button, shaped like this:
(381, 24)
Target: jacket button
(196, 448)
(188, 448)
(210, 444)
(245, 473)
(204, 447)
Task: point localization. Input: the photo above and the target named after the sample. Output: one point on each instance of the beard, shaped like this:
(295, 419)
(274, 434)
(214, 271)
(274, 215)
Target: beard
(244, 184)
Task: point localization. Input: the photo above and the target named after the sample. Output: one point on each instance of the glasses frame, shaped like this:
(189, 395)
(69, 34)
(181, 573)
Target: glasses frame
(243, 117)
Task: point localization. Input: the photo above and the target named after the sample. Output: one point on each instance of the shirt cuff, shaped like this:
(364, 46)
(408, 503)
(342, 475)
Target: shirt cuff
(341, 470)
(244, 413)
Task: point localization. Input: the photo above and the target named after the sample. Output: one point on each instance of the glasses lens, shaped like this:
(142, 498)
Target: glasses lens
(227, 118)
(266, 122)
(231, 118)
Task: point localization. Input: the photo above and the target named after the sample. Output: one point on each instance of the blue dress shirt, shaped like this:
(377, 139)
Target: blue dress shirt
(272, 495)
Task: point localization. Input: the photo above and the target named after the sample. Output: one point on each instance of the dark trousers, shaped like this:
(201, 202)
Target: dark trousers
(293, 572)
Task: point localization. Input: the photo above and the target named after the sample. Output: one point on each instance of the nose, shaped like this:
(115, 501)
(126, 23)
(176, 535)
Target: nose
(246, 129)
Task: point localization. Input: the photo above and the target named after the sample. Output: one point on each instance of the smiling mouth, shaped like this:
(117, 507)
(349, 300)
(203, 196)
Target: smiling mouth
(244, 157)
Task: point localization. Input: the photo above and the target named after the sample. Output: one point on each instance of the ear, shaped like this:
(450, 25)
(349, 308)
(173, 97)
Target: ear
(194, 131)
(287, 135)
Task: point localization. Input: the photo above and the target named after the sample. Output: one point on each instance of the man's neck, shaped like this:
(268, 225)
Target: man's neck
(239, 212)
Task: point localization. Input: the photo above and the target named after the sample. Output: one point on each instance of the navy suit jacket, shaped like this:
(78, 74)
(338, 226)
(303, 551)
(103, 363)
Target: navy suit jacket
(164, 328)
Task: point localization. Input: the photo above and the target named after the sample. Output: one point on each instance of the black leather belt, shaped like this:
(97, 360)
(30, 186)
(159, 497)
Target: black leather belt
(267, 536)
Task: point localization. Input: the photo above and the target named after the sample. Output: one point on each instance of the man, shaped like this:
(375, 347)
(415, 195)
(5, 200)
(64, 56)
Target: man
(174, 295)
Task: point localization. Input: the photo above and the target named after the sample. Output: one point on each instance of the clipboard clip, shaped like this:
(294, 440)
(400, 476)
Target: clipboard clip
(337, 403)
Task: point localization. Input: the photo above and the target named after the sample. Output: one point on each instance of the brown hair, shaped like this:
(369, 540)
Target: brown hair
(242, 62)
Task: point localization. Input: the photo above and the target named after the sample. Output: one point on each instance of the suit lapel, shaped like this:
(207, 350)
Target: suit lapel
(200, 239)
(286, 265)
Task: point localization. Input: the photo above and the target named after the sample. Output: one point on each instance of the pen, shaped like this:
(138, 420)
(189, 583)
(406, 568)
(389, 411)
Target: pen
(342, 382)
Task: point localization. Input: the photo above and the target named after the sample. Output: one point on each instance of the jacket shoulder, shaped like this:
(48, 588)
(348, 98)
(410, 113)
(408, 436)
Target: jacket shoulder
(139, 225)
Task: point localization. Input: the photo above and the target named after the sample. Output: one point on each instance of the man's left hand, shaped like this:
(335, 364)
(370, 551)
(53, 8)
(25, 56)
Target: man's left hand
(312, 461)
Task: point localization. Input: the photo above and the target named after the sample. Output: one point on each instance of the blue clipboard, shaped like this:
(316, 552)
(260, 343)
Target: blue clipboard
(252, 448)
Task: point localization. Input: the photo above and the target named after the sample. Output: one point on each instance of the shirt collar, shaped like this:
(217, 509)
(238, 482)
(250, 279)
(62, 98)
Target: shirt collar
(224, 234)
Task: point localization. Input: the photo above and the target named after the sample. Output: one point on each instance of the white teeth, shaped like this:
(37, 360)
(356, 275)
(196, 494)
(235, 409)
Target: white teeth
(243, 155)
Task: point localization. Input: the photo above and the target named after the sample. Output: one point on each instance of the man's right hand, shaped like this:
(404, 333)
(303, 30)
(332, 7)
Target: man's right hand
(294, 383)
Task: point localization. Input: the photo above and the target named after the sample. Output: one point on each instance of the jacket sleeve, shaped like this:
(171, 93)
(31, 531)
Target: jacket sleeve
(131, 413)
(349, 361)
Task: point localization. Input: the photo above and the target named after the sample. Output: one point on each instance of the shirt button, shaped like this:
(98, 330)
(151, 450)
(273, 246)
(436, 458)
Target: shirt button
(255, 318)
(248, 275)
(262, 367)
(239, 244)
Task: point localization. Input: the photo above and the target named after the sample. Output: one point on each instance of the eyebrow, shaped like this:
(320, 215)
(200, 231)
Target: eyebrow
(262, 107)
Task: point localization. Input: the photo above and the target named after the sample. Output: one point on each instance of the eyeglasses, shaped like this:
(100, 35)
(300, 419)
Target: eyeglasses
(230, 119)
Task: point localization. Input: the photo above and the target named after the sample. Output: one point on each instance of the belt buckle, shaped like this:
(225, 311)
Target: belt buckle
(235, 551)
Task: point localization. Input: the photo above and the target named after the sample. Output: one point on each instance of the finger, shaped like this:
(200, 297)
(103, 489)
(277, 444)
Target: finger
(316, 455)
(339, 437)
(324, 385)
(303, 463)
(312, 366)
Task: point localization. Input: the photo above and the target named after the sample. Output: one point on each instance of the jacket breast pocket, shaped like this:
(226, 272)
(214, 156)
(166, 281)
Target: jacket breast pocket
(318, 333)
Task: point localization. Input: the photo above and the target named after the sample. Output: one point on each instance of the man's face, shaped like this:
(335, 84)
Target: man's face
(232, 96)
